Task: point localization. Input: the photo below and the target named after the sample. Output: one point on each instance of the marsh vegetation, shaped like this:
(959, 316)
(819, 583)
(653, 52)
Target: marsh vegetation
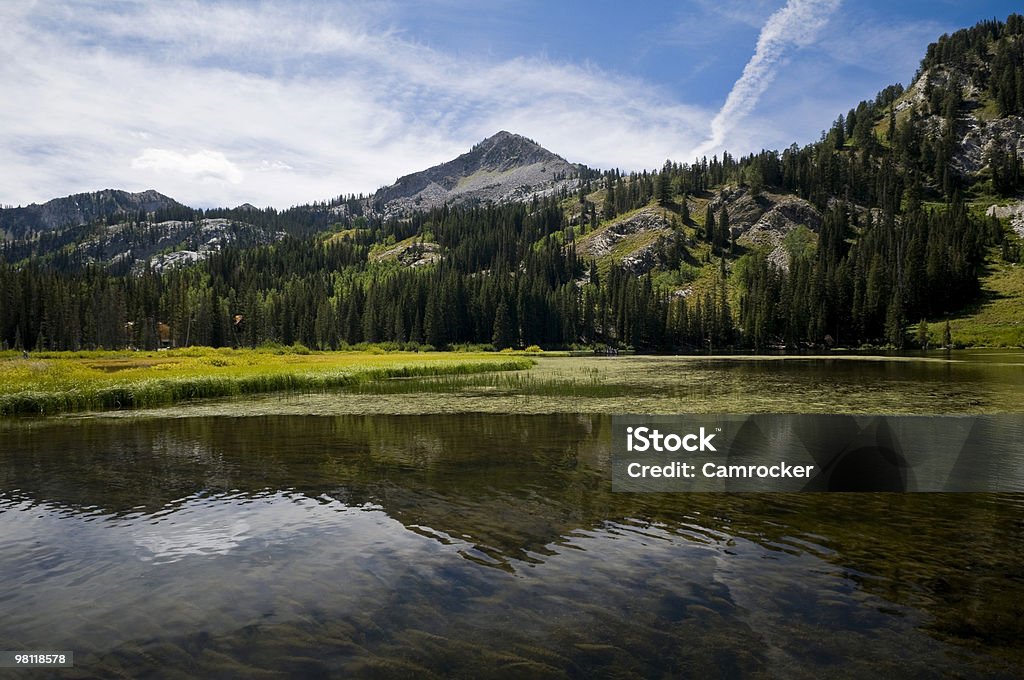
(57, 382)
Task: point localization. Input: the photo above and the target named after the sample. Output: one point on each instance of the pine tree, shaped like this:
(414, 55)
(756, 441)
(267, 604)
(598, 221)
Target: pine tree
(433, 333)
(398, 331)
(922, 334)
(503, 335)
(709, 225)
(663, 186)
(608, 209)
(895, 322)
(723, 228)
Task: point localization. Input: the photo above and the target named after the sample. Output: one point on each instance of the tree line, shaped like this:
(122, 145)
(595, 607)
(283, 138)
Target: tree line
(511, 276)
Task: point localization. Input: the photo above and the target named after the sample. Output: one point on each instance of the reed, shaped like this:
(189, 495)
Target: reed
(586, 382)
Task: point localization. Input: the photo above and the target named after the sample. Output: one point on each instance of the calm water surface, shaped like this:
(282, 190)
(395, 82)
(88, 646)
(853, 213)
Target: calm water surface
(225, 540)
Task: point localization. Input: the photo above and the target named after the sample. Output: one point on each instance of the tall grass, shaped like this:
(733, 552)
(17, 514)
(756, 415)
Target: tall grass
(103, 381)
(586, 382)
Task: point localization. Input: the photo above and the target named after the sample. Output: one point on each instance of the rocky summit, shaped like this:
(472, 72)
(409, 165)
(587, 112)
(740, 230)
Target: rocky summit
(504, 167)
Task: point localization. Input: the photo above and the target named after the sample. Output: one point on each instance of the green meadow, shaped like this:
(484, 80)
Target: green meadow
(61, 382)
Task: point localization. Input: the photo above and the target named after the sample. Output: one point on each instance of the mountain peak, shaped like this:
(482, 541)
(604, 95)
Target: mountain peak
(505, 150)
(503, 167)
(506, 137)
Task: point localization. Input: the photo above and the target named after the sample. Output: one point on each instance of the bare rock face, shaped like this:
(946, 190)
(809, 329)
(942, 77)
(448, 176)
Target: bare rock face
(917, 94)
(980, 139)
(764, 218)
(976, 138)
(784, 214)
(412, 254)
(745, 207)
(502, 168)
(782, 218)
(641, 261)
(634, 238)
(172, 243)
(1014, 211)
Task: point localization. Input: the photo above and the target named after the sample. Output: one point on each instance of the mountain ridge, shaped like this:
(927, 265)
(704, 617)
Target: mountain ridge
(79, 209)
(501, 168)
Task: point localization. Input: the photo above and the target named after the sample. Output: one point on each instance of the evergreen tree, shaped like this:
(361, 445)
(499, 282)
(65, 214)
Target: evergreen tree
(895, 321)
(608, 209)
(663, 185)
(922, 334)
(724, 233)
(504, 334)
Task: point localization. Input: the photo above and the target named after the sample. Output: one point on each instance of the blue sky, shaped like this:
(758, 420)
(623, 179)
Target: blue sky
(219, 103)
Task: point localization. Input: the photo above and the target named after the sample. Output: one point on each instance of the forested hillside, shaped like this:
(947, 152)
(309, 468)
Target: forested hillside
(860, 238)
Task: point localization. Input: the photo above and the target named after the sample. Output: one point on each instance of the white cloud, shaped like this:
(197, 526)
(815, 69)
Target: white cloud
(273, 166)
(204, 165)
(795, 25)
(220, 103)
(217, 104)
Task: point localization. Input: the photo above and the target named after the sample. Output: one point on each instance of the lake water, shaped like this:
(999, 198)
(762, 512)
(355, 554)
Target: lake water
(466, 527)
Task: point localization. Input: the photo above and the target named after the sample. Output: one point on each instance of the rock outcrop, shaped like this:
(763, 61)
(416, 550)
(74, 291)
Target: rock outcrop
(979, 139)
(764, 219)
(411, 253)
(632, 239)
(168, 244)
(977, 136)
(1014, 211)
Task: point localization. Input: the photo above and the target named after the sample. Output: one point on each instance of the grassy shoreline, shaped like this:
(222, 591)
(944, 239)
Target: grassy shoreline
(65, 382)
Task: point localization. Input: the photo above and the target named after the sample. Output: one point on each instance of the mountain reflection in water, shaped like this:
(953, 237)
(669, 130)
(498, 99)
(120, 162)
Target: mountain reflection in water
(469, 545)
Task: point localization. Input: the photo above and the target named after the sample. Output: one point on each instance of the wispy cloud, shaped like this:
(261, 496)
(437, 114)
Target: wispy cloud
(229, 101)
(223, 103)
(795, 25)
